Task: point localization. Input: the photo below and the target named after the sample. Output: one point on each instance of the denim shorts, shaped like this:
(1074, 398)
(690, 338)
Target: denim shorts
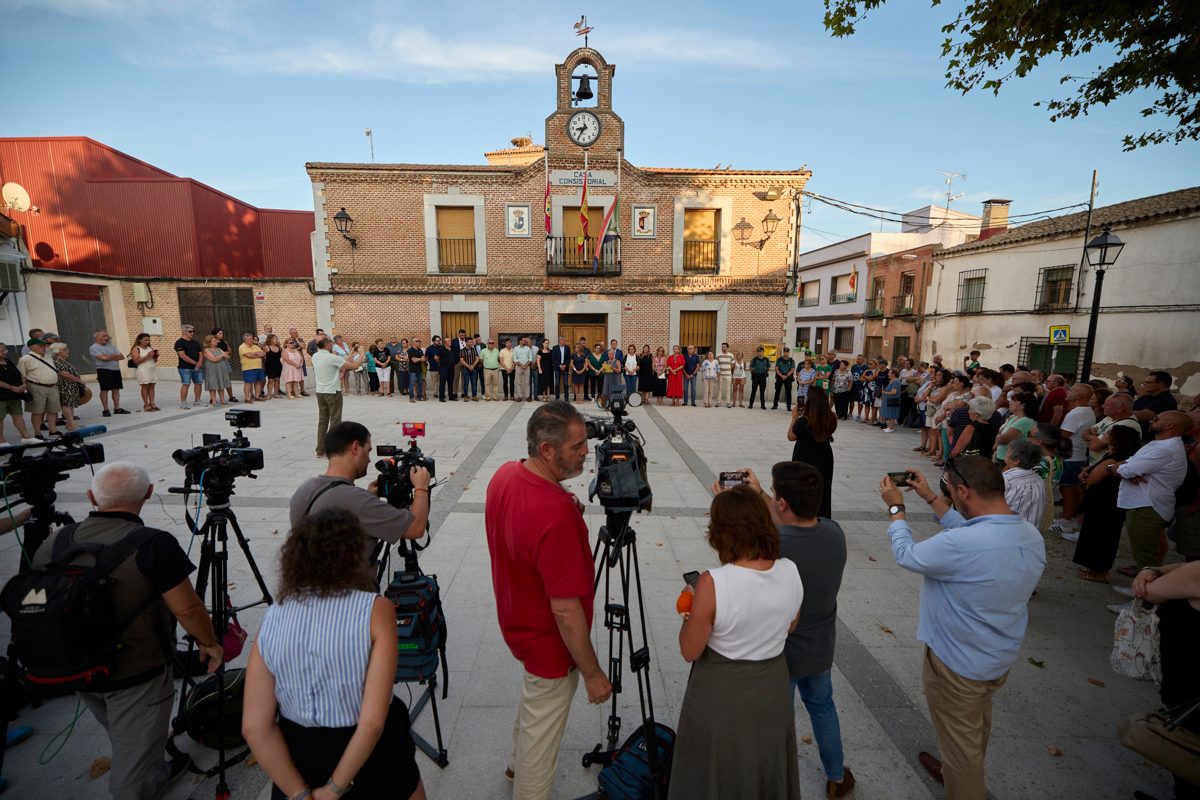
(1070, 473)
(187, 376)
(253, 376)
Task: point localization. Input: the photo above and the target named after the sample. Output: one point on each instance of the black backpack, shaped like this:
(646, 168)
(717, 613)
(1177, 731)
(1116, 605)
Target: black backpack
(627, 775)
(64, 627)
(420, 627)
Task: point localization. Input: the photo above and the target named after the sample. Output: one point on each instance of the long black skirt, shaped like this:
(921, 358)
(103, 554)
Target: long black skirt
(390, 771)
(1100, 532)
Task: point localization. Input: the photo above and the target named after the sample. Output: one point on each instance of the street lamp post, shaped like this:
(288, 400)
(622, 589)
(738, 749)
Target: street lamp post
(1101, 254)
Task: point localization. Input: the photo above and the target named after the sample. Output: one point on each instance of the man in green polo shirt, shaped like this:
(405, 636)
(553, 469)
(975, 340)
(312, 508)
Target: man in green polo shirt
(760, 366)
(490, 356)
(785, 373)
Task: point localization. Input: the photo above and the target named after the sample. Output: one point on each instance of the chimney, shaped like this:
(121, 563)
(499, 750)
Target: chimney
(995, 218)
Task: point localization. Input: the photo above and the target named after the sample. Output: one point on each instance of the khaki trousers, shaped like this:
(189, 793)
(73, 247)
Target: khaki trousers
(726, 394)
(491, 383)
(329, 412)
(962, 717)
(1146, 536)
(137, 720)
(521, 383)
(537, 733)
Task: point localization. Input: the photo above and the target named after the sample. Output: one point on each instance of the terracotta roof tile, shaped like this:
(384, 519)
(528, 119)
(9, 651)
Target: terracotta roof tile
(1143, 208)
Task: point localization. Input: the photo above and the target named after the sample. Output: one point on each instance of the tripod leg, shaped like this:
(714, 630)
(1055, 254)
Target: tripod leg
(245, 545)
(202, 577)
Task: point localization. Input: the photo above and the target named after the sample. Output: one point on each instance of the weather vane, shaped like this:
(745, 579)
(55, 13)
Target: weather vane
(583, 29)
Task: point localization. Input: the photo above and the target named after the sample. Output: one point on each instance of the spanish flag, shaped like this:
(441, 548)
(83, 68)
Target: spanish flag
(581, 242)
(854, 278)
(547, 206)
(610, 232)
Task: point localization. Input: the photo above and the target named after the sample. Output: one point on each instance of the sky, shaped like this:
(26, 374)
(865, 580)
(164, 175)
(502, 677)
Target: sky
(239, 94)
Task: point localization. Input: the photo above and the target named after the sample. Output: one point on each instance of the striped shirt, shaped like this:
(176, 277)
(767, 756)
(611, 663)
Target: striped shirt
(317, 648)
(725, 360)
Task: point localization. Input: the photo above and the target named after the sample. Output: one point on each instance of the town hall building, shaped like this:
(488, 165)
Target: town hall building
(692, 256)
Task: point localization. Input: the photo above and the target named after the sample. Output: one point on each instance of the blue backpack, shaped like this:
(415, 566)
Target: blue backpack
(627, 776)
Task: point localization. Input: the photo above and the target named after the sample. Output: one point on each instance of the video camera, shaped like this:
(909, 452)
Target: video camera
(30, 479)
(620, 481)
(394, 483)
(217, 462)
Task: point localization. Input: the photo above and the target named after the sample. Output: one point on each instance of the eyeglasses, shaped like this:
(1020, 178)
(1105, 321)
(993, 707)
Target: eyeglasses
(951, 468)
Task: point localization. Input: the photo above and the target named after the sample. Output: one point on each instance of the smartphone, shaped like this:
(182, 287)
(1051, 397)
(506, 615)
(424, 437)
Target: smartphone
(899, 479)
(412, 429)
(730, 479)
(691, 578)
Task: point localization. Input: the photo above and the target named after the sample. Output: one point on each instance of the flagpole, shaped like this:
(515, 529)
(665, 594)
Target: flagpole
(616, 201)
(546, 162)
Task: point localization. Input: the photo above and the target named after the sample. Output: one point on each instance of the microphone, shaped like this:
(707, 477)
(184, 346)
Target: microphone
(78, 435)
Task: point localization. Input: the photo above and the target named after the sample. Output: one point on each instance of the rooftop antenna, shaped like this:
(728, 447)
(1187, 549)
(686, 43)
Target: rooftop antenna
(950, 176)
(371, 138)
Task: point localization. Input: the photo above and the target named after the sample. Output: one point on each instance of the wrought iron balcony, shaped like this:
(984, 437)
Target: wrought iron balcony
(701, 255)
(805, 302)
(564, 256)
(902, 305)
(875, 307)
(456, 255)
(848, 297)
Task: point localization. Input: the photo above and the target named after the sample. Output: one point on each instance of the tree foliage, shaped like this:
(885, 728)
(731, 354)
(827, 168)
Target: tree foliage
(1155, 43)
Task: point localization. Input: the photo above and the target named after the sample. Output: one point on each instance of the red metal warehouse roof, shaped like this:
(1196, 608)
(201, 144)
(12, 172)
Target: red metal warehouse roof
(103, 212)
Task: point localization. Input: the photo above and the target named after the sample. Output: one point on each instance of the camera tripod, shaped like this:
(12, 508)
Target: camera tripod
(213, 575)
(616, 547)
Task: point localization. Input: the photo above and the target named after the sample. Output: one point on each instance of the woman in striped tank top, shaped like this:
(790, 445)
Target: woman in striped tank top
(324, 660)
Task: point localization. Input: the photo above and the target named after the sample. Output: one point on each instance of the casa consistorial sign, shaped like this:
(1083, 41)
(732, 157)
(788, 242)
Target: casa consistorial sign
(597, 178)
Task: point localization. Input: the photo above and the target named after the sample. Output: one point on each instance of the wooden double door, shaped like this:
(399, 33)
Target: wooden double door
(593, 327)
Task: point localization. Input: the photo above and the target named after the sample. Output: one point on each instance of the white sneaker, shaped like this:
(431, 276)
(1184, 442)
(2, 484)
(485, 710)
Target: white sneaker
(1063, 526)
(184, 406)
(1117, 608)
(1070, 536)
(31, 441)
(1124, 591)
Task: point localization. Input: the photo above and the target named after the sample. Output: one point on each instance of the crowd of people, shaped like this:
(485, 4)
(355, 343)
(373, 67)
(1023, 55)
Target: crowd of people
(320, 714)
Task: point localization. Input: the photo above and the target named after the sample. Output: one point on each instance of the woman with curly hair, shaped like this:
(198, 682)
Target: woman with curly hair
(737, 732)
(811, 428)
(319, 714)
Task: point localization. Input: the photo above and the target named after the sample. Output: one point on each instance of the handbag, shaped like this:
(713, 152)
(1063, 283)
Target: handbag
(1159, 737)
(85, 394)
(1135, 652)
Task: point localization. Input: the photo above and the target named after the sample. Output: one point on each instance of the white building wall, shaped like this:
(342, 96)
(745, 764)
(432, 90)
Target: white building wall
(1150, 306)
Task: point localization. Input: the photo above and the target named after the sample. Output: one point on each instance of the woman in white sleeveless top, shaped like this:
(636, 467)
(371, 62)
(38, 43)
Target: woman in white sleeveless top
(325, 660)
(737, 732)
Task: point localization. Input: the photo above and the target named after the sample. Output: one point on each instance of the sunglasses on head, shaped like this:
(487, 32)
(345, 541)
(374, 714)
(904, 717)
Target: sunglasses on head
(950, 467)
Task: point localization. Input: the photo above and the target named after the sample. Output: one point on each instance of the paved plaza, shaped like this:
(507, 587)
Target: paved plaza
(1053, 731)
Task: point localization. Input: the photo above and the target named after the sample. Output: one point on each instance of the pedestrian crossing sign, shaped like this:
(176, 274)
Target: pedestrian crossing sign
(1060, 334)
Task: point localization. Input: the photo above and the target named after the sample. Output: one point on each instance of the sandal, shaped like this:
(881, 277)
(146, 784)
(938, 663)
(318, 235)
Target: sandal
(918, 449)
(1094, 577)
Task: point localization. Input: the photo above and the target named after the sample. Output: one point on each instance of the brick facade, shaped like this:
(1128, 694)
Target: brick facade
(896, 288)
(391, 266)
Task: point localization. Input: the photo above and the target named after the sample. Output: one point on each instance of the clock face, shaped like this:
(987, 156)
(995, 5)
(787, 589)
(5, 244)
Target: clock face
(583, 128)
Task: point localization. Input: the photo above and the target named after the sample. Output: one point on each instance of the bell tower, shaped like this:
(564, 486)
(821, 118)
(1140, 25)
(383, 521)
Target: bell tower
(572, 98)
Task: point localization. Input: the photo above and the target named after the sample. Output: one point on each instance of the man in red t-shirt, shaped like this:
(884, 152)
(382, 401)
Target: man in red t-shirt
(542, 577)
(1054, 405)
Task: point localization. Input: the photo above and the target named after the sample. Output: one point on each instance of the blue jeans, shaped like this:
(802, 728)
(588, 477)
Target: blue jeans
(630, 384)
(471, 380)
(416, 385)
(817, 693)
(689, 388)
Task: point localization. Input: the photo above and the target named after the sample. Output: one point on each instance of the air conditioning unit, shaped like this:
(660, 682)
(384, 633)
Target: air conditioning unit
(141, 293)
(10, 277)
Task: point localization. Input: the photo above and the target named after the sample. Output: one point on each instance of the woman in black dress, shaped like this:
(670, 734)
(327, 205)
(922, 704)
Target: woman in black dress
(1100, 531)
(545, 370)
(646, 376)
(812, 428)
(273, 365)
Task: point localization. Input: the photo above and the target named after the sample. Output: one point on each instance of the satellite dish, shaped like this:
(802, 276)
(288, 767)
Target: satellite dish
(15, 197)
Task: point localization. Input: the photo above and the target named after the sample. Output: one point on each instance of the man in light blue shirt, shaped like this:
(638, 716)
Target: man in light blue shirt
(980, 572)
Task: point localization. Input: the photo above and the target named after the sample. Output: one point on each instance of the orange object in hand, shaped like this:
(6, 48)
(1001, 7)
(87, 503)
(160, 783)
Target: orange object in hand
(684, 604)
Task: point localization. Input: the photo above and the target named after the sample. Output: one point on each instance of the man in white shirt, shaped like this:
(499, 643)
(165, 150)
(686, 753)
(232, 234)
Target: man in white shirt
(267, 331)
(1150, 479)
(523, 355)
(329, 370)
(1078, 419)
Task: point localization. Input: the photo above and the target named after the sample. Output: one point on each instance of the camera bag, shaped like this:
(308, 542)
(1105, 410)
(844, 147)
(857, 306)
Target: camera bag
(212, 718)
(64, 626)
(627, 776)
(420, 627)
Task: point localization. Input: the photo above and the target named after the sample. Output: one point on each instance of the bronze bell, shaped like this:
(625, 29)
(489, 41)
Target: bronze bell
(585, 88)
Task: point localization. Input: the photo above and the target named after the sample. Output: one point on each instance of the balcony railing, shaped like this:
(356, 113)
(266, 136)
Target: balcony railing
(805, 302)
(700, 255)
(563, 256)
(456, 255)
(875, 307)
(848, 297)
(902, 305)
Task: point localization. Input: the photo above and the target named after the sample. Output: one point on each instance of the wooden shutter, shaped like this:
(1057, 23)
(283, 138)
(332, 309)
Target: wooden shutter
(570, 221)
(700, 224)
(698, 328)
(453, 320)
(456, 222)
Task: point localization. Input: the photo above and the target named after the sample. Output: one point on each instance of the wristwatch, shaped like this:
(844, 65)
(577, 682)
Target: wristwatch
(896, 509)
(339, 790)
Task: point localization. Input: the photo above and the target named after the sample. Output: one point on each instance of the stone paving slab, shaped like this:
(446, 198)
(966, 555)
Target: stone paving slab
(877, 668)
